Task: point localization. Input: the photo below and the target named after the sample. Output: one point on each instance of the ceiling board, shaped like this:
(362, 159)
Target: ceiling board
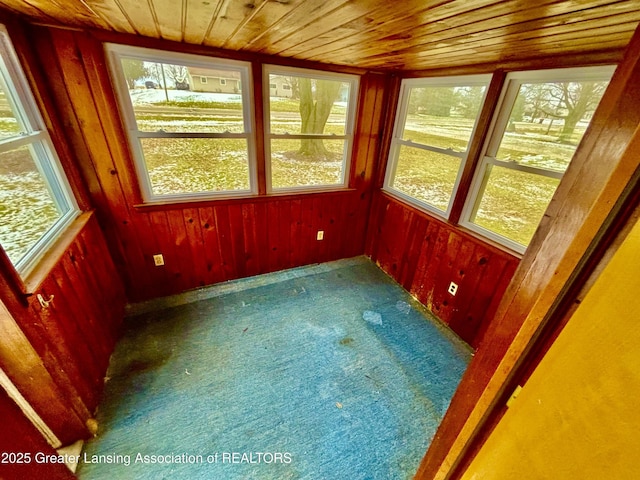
(377, 34)
(445, 23)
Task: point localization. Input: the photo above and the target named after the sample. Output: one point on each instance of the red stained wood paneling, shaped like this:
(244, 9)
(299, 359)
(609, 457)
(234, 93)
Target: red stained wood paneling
(425, 254)
(211, 249)
(203, 242)
(74, 334)
(19, 436)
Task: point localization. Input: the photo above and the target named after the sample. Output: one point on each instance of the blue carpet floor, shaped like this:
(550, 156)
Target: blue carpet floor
(326, 372)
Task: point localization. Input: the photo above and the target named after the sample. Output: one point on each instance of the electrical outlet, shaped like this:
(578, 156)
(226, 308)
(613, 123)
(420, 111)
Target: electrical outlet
(453, 288)
(320, 235)
(158, 260)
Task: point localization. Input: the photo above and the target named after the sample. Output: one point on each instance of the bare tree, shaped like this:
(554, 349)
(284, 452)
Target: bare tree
(316, 101)
(578, 99)
(177, 73)
(568, 101)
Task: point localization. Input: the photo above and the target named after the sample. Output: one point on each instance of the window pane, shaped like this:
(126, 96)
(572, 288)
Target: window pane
(513, 203)
(10, 126)
(439, 117)
(426, 176)
(307, 105)
(442, 117)
(181, 165)
(291, 167)
(547, 122)
(27, 207)
(178, 98)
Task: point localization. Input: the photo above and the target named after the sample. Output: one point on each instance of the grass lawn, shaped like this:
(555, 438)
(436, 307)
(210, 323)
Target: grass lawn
(513, 202)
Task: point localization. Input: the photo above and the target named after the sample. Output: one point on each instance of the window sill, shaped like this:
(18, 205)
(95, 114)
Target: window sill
(190, 203)
(32, 282)
(463, 230)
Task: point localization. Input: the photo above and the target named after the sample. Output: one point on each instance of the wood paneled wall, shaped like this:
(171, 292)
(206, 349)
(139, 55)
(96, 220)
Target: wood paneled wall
(73, 337)
(424, 255)
(205, 242)
(209, 242)
(20, 437)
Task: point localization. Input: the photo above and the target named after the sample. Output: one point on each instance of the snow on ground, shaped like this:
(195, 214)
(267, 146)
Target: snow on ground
(26, 212)
(141, 96)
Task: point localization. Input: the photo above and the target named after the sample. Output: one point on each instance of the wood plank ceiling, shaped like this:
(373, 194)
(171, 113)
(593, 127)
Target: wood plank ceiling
(374, 34)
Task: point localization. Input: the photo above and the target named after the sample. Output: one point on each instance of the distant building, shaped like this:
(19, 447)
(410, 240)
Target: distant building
(280, 86)
(214, 81)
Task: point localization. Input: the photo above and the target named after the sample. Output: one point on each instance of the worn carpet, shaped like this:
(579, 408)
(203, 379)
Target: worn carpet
(324, 372)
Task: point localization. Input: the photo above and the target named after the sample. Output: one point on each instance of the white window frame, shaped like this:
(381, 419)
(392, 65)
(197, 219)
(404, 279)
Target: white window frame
(203, 80)
(115, 52)
(37, 138)
(223, 81)
(353, 80)
(398, 128)
(496, 133)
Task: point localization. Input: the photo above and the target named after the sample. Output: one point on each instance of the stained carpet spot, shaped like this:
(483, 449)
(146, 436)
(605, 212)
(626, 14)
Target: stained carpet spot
(372, 317)
(403, 307)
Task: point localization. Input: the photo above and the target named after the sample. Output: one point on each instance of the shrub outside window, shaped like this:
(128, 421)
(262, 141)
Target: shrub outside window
(536, 130)
(36, 202)
(435, 120)
(309, 121)
(191, 131)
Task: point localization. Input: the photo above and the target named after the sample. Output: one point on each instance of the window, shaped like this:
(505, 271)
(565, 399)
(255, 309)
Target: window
(223, 81)
(536, 130)
(309, 128)
(435, 121)
(187, 141)
(36, 203)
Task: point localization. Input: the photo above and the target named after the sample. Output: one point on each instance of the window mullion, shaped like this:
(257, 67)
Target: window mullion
(525, 168)
(20, 141)
(430, 148)
(139, 134)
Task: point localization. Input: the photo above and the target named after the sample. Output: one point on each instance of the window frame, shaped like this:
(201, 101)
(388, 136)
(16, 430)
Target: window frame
(348, 137)
(496, 132)
(116, 52)
(400, 123)
(37, 138)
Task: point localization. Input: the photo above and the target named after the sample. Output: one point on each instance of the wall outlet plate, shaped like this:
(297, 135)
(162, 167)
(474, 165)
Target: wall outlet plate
(453, 288)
